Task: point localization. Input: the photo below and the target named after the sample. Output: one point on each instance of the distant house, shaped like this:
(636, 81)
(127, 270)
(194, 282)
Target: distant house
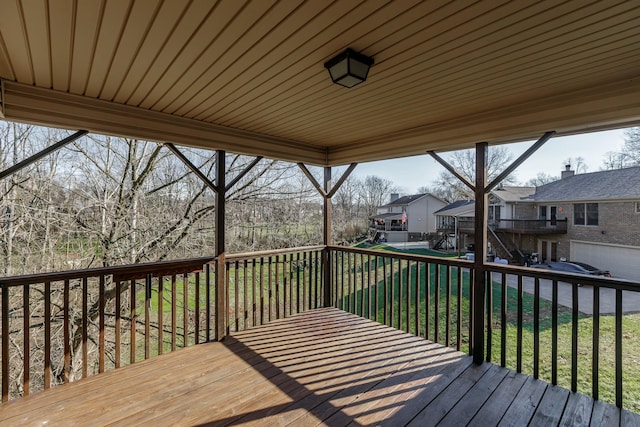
(589, 218)
(603, 219)
(406, 218)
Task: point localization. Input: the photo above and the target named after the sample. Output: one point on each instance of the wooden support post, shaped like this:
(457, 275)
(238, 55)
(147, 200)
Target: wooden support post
(480, 254)
(221, 294)
(326, 259)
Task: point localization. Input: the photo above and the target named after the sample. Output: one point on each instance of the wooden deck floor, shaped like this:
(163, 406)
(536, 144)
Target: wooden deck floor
(322, 367)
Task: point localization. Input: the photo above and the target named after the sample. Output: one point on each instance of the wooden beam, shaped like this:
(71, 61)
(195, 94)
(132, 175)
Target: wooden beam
(27, 103)
(192, 167)
(246, 170)
(524, 156)
(221, 295)
(480, 254)
(326, 240)
(26, 162)
(313, 180)
(342, 179)
(451, 169)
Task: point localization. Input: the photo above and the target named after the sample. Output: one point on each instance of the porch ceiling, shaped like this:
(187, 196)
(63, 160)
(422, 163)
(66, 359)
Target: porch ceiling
(248, 76)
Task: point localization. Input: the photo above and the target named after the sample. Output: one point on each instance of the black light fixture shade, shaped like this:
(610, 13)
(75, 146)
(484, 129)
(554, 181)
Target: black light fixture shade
(349, 68)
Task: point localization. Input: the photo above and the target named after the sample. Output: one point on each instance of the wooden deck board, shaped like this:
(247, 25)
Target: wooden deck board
(324, 367)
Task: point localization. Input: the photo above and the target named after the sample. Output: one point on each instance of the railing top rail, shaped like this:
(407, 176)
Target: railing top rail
(263, 254)
(123, 271)
(458, 262)
(562, 276)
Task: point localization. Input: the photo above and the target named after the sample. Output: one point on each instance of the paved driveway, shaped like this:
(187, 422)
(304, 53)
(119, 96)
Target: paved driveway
(630, 300)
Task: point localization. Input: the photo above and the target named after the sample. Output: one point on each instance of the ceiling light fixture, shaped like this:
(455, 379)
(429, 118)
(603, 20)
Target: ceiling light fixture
(349, 68)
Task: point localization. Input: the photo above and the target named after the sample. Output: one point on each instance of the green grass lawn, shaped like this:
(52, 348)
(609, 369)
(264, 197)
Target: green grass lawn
(398, 304)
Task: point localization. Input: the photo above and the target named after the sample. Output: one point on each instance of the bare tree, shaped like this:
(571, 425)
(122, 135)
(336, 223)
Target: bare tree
(375, 192)
(449, 188)
(629, 155)
(541, 179)
(577, 164)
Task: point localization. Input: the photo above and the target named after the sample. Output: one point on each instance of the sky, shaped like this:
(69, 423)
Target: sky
(410, 173)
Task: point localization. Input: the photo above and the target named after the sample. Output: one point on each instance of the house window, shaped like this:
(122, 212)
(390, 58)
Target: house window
(637, 207)
(585, 214)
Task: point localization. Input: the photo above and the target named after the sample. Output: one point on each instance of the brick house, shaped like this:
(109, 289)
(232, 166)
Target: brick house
(588, 217)
(603, 219)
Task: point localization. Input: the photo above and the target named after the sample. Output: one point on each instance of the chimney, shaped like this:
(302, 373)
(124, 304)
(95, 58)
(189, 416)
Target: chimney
(394, 197)
(567, 172)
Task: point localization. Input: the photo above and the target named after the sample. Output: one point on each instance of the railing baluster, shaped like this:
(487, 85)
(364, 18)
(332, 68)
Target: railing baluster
(269, 287)
(448, 304)
(595, 361)
(400, 302)
(362, 285)
(262, 304)
(459, 311)
(253, 293)
(618, 348)
(519, 336)
(207, 281)
(286, 289)
(375, 289)
(174, 312)
(408, 287)
(288, 273)
(385, 308)
(185, 310)
(305, 291)
(245, 285)
(391, 291)
(196, 317)
(427, 304)
(101, 305)
(489, 308)
(503, 321)
(47, 336)
(160, 314)
(536, 328)
(147, 316)
(554, 332)
(132, 327)
(436, 308)
(277, 285)
(66, 332)
(236, 291)
(85, 328)
(471, 310)
(416, 299)
(117, 324)
(349, 282)
(26, 306)
(574, 337)
(227, 297)
(343, 304)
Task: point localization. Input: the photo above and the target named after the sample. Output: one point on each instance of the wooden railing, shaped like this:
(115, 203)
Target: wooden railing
(426, 296)
(64, 326)
(60, 327)
(537, 322)
(576, 330)
(263, 286)
(525, 226)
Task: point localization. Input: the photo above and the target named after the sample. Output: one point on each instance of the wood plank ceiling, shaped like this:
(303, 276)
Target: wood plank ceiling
(249, 77)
